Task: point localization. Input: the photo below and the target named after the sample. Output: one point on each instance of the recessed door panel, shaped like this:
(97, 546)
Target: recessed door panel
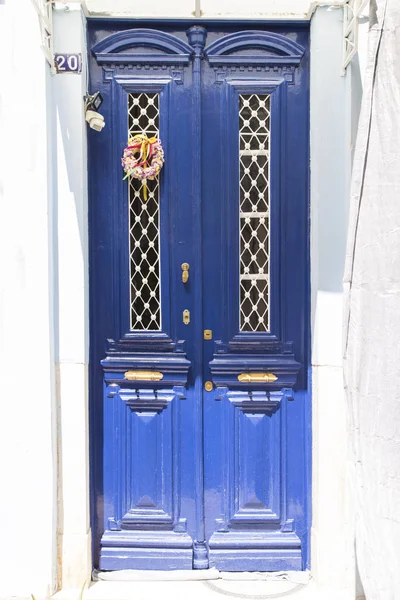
(199, 283)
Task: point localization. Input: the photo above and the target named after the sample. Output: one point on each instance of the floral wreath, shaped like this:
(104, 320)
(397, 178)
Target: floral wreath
(143, 159)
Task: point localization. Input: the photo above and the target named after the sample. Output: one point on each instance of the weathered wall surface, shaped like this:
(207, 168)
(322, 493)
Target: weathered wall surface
(28, 463)
(372, 313)
(334, 114)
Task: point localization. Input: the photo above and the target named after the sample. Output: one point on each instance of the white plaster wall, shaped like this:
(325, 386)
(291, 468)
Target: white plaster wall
(71, 245)
(44, 504)
(28, 470)
(335, 103)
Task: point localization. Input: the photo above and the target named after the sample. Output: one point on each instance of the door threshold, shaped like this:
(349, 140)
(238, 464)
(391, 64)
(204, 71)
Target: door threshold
(245, 589)
(149, 575)
(300, 577)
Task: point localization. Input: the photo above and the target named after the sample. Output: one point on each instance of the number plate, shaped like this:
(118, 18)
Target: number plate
(68, 63)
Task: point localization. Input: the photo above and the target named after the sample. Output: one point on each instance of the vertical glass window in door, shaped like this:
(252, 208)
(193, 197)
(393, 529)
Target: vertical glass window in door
(144, 224)
(254, 212)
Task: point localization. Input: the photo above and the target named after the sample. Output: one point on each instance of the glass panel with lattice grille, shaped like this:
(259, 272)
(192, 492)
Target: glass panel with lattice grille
(254, 212)
(144, 224)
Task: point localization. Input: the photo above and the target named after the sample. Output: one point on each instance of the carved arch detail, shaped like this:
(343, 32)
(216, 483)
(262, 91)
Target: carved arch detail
(271, 49)
(130, 46)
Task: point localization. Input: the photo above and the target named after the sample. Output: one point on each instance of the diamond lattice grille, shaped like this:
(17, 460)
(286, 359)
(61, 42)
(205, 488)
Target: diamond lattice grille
(144, 224)
(254, 148)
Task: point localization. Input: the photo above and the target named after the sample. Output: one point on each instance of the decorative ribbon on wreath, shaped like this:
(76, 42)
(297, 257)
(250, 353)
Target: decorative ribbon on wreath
(143, 159)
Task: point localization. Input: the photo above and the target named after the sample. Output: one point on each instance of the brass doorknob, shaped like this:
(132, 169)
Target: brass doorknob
(185, 272)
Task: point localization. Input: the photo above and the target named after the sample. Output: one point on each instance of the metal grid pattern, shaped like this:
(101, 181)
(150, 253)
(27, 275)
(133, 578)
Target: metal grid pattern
(353, 10)
(254, 219)
(144, 224)
(44, 9)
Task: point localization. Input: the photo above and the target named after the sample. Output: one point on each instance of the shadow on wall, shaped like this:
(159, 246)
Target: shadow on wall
(68, 159)
(71, 131)
(335, 105)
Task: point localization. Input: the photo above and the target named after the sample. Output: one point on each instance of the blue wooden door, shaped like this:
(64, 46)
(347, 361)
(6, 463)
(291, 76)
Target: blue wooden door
(199, 299)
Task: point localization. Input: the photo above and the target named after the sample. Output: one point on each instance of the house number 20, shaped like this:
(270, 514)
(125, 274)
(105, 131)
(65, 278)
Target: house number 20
(68, 63)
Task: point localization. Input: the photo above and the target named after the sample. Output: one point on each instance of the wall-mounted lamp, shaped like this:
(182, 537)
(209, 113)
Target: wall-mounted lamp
(92, 116)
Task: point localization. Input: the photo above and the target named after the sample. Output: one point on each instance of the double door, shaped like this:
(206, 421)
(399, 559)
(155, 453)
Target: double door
(199, 285)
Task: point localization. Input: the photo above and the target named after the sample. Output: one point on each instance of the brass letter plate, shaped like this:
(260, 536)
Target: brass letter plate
(257, 377)
(208, 334)
(143, 375)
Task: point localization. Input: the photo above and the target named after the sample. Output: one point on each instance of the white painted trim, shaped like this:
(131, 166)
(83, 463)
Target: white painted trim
(72, 312)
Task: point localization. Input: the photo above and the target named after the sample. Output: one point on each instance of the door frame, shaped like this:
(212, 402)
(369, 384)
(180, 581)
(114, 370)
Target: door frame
(332, 96)
(94, 430)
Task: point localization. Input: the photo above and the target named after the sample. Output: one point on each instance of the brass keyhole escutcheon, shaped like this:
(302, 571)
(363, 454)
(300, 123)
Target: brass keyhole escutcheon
(186, 316)
(208, 386)
(185, 272)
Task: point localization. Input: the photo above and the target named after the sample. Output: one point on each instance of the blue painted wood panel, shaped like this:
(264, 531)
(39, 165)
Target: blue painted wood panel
(181, 477)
